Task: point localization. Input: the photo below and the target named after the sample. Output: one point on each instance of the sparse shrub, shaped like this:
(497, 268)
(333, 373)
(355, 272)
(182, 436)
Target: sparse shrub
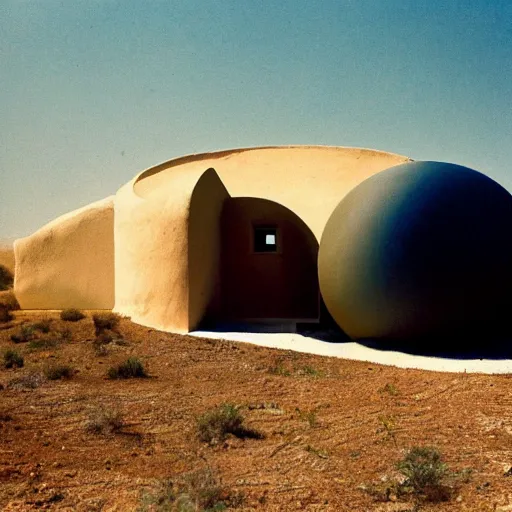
(311, 371)
(214, 425)
(105, 421)
(5, 314)
(130, 369)
(279, 369)
(13, 359)
(30, 381)
(105, 321)
(43, 325)
(25, 334)
(104, 338)
(200, 490)
(45, 344)
(8, 303)
(6, 278)
(65, 334)
(8, 299)
(100, 343)
(309, 416)
(390, 389)
(425, 473)
(389, 427)
(71, 315)
(59, 371)
(194, 491)
(100, 349)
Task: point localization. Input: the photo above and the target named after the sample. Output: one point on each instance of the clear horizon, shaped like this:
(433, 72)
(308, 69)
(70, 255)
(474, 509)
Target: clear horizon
(94, 91)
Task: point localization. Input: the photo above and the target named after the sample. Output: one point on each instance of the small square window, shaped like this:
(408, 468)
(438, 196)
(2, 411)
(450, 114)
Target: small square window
(265, 239)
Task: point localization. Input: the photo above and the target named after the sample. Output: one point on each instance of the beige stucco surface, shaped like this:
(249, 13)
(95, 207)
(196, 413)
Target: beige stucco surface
(164, 270)
(68, 262)
(309, 180)
(166, 219)
(167, 250)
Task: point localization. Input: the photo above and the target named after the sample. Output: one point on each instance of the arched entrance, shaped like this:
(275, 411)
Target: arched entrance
(268, 263)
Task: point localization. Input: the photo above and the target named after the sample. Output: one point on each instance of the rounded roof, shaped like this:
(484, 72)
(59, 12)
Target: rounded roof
(309, 180)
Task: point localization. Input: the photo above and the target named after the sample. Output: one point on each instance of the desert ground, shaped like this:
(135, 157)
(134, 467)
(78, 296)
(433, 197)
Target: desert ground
(323, 433)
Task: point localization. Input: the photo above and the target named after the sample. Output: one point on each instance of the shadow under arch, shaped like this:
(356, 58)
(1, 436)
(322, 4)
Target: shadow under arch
(277, 284)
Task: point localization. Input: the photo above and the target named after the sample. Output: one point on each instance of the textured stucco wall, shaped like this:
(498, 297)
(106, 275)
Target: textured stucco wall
(308, 180)
(69, 262)
(152, 251)
(164, 271)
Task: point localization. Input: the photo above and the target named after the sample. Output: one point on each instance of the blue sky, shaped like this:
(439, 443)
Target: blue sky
(93, 91)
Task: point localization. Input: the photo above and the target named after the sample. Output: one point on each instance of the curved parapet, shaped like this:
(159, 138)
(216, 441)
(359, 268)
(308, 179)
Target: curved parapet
(308, 180)
(167, 250)
(68, 263)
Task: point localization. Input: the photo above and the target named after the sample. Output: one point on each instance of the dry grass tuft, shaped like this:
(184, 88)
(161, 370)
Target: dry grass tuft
(105, 421)
(132, 368)
(31, 380)
(214, 425)
(13, 359)
(59, 371)
(71, 315)
(6, 278)
(105, 321)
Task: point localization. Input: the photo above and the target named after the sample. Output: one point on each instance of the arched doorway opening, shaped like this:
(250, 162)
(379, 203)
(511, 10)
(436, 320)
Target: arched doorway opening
(268, 264)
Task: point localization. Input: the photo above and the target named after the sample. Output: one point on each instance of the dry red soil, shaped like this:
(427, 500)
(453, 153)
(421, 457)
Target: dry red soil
(332, 427)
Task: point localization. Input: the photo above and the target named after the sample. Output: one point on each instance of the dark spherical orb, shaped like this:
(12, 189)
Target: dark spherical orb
(421, 251)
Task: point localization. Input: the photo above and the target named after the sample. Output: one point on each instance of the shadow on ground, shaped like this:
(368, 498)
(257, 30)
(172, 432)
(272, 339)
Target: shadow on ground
(496, 349)
(453, 348)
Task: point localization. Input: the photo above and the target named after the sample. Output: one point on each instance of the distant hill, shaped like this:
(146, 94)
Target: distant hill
(7, 256)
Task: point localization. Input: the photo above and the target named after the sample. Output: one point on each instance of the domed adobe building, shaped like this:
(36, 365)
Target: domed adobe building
(227, 236)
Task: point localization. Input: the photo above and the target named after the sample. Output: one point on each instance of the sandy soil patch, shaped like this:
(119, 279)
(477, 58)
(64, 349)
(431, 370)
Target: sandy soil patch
(332, 426)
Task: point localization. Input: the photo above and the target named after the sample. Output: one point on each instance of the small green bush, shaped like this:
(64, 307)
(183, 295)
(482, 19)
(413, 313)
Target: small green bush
(214, 425)
(197, 490)
(71, 315)
(105, 421)
(44, 325)
(25, 333)
(390, 389)
(42, 344)
(6, 278)
(56, 372)
(8, 303)
(130, 369)
(13, 359)
(105, 321)
(425, 472)
(9, 300)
